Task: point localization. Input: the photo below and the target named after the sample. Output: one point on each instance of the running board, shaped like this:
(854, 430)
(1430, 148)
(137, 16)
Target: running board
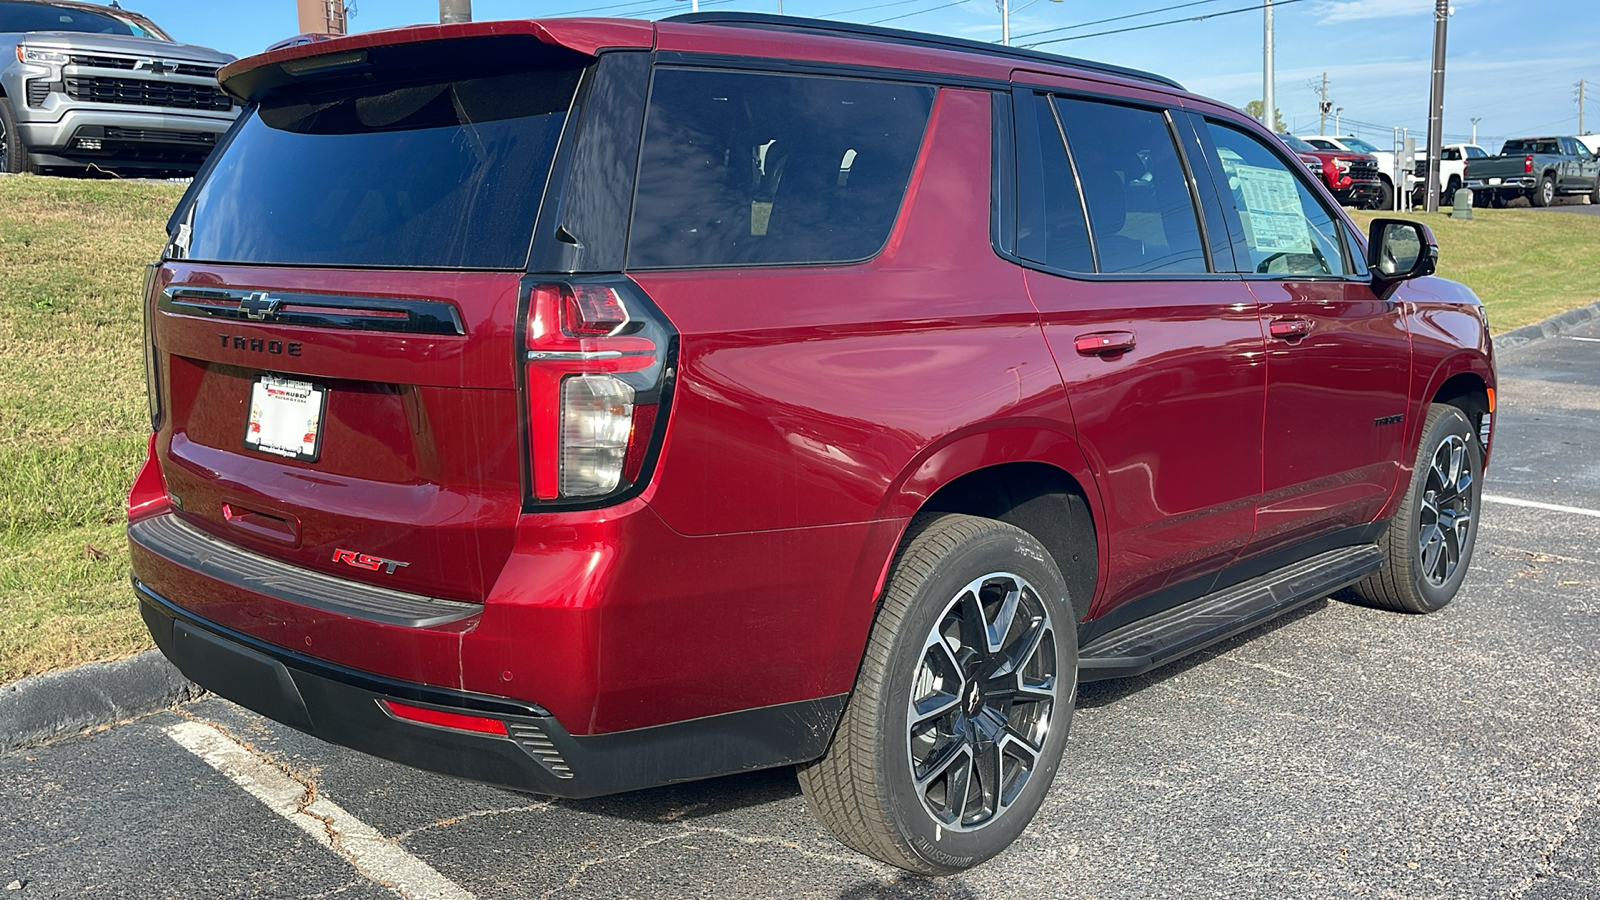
(1143, 645)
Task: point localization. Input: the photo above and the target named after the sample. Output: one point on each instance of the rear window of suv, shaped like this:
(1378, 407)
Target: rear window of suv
(430, 174)
(751, 168)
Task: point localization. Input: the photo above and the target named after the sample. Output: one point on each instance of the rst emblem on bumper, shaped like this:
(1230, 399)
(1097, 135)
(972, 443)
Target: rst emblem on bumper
(368, 562)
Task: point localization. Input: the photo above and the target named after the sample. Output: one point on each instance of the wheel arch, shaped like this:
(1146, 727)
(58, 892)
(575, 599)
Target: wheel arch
(1032, 477)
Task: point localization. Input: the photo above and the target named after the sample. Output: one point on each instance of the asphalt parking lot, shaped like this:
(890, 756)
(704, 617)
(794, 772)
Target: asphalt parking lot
(1343, 751)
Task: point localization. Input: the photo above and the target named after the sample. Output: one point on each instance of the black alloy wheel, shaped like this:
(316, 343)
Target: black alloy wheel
(960, 711)
(1428, 545)
(979, 709)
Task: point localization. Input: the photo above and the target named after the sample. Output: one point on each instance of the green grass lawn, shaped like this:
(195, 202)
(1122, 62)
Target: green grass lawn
(73, 418)
(73, 415)
(1525, 264)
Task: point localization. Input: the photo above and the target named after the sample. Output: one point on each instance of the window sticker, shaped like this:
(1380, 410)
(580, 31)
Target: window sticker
(1270, 208)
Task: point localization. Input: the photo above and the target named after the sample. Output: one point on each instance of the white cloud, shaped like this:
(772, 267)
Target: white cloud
(1359, 10)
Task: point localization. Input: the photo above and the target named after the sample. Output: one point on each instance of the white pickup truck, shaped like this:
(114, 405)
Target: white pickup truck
(1452, 171)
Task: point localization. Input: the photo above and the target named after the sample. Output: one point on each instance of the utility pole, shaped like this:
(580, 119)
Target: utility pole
(1580, 107)
(1441, 21)
(1005, 21)
(452, 12)
(1324, 107)
(1475, 121)
(1269, 115)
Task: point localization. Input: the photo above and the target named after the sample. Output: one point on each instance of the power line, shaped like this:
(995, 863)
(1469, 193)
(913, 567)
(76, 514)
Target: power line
(1200, 18)
(846, 12)
(918, 12)
(1148, 12)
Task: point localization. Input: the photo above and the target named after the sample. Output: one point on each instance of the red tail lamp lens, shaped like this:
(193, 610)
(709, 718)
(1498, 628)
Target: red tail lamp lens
(592, 310)
(457, 721)
(1527, 164)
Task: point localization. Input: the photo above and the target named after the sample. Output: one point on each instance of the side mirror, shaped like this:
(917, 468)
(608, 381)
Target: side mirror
(1399, 250)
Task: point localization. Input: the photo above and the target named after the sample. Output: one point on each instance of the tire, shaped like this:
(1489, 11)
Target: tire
(1439, 514)
(13, 155)
(1498, 200)
(1385, 198)
(1594, 195)
(1545, 193)
(1449, 198)
(889, 783)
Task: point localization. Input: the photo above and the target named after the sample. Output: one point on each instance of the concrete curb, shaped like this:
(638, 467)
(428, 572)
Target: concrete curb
(1558, 324)
(44, 707)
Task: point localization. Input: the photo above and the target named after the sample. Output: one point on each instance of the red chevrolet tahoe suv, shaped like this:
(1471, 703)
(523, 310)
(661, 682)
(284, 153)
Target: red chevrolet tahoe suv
(584, 405)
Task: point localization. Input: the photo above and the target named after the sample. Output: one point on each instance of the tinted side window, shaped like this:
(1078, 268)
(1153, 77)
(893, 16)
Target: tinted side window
(1286, 230)
(1141, 212)
(744, 168)
(1051, 228)
(1476, 153)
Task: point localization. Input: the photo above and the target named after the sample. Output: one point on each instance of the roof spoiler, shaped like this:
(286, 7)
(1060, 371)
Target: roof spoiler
(352, 58)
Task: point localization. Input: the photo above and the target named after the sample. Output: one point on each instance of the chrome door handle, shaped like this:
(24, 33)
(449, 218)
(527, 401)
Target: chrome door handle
(1289, 329)
(1104, 343)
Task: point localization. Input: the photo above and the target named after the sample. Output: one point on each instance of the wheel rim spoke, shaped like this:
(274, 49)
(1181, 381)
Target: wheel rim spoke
(982, 700)
(1445, 516)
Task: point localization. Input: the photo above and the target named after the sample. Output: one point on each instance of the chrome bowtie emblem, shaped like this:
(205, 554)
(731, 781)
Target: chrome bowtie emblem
(259, 306)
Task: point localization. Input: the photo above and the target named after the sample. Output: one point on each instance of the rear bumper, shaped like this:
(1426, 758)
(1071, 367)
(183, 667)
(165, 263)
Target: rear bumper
(345, 706)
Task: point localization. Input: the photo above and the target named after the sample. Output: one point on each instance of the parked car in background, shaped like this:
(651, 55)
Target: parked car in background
(89, 86)
(1306, 152)
(1386, 161)
(1592, 141)
(1453, 160)
(605, 404)
(1352, 176)
(1539, 169)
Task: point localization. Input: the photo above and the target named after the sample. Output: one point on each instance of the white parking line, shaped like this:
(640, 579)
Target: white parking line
(1534, 504)
(328, 824)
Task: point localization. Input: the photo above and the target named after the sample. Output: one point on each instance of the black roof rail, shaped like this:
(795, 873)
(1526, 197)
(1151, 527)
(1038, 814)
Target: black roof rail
(914, 38)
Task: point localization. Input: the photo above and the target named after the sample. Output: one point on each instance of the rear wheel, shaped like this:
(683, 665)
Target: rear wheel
(13, 155)
(1429, 542)
(960, 712)
(1545, 193)
(1594, 195)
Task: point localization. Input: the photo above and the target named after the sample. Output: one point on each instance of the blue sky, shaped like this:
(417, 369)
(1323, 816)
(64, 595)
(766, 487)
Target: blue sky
(1514, 63)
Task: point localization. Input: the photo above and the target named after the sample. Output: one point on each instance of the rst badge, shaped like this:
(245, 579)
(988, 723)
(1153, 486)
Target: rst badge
(367, 561)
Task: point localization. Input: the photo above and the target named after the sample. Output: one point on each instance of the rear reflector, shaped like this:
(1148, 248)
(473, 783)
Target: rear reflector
(457, 721)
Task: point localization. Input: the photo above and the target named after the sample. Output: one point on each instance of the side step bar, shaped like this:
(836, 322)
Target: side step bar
(1140, 646)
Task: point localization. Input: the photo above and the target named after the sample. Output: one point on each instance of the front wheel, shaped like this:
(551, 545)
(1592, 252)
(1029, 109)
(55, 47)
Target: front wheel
(13, 155)
(1385, 198)
(960, 712)
(1429, 542)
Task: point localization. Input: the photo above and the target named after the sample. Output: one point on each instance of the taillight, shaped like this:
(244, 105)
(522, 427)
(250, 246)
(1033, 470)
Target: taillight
(1527, 164)
(152, 363)
(596, 375)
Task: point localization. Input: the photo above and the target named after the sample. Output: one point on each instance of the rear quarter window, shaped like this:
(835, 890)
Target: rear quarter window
(750, 168)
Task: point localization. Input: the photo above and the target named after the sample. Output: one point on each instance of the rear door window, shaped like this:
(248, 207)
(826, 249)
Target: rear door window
(752, 168)
(1141, 212)
(1051, 228)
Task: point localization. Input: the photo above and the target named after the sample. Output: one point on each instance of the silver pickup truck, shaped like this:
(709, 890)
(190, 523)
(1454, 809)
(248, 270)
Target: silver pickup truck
(89, 86)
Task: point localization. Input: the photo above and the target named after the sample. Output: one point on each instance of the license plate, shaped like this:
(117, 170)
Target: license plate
(1494, 181)
(286, 418)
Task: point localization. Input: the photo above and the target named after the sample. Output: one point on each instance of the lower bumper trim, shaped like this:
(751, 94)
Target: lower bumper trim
(344, 706)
